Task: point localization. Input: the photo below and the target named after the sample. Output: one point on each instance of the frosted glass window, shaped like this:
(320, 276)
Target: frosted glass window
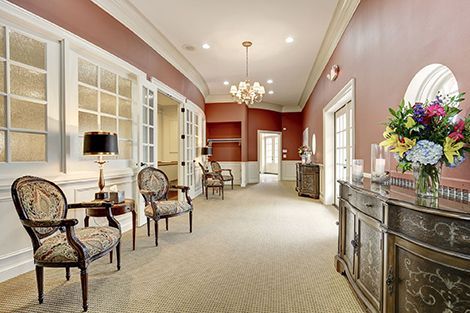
(27, 83)
(26, 50)
(125, 149)
(27, 147)
(87, 121)
(108, 81)
(125, 108)
(108, 103)
(108, 124)
(125, 87)
(3, 103)
(87, 73)
(28, 115)
(2, 147)
(2, 42)
(87, 98)
(125, 129)
(2, 77)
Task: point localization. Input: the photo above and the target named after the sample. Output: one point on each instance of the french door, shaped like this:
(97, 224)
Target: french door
(149, 118)
(343, 145)
(271, 154)
(193, 125)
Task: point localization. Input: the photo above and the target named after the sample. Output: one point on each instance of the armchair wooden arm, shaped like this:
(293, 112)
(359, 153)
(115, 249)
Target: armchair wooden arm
(106, 205)
(184, 189)
(50, 223)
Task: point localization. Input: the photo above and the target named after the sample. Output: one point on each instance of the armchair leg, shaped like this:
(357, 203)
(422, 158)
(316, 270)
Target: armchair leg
(232, 183)
(148, 227)
(67, 273)
(156, 233)
(40, 283)
(207, 189)
(222, 190)
(118, 255)
(111, 256)
(166, 221)
(190, 221)
(84, 281)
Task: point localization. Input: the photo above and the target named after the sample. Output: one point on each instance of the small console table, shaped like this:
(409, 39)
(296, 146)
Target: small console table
(401, 254)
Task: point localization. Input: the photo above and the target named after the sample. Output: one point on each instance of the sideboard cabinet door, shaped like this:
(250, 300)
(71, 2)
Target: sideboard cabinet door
(422, 280)
(350, 242)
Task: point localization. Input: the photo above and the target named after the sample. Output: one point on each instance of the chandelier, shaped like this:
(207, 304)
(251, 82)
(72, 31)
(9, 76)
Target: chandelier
(247, 93)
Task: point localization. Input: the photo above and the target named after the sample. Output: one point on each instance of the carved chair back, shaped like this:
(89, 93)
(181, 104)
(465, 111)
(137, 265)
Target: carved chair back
(215, 166)
(155, 180)
(203, 170)
(38, 199)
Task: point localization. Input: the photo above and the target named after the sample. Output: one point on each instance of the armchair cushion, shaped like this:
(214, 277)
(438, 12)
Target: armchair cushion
(227, 177)
(214, 182)
(165, 208)
(56, 249)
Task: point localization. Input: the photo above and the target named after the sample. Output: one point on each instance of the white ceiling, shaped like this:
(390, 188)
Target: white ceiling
(225, 24)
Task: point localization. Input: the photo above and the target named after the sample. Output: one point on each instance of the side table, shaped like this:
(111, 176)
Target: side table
(118, 209)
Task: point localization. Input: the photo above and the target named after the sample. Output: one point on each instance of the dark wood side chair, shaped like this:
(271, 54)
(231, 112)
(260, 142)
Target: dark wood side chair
(42, 208)
(211, 180)
(154, 187)
(216, 168)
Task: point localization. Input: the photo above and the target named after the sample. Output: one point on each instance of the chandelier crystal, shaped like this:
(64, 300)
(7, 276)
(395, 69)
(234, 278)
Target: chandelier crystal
(246, 92)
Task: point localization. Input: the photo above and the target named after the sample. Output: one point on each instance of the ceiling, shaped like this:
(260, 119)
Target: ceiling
(225, 24)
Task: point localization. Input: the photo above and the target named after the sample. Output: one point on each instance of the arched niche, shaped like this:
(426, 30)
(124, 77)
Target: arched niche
(430, 80)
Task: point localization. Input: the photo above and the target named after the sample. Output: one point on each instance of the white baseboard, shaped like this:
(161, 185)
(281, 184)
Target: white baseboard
(288, 170)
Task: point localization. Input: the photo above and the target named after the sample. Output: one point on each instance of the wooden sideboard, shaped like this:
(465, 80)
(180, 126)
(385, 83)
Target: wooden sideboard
(401, 255)
(308, 180)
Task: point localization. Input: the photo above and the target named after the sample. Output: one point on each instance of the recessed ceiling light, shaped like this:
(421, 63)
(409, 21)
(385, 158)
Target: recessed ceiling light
(226, 83)
(206, 46)
(289, 39)
(269, 81)
(271, 92)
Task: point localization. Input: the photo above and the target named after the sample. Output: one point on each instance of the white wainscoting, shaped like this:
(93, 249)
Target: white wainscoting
(16, 255)
(322, 182)
(288, 170)
(236, 168)
(253, 172)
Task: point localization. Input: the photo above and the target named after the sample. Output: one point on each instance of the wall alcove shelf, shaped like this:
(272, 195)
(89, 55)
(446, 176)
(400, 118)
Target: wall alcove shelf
(224, 140)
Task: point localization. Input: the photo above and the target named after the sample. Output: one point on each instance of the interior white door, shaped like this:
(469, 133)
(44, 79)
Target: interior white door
(343, 146)
(149, 118)
(271, 154)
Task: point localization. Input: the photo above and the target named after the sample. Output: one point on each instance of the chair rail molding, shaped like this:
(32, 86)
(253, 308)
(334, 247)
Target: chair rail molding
(127, 14)
(341, 17)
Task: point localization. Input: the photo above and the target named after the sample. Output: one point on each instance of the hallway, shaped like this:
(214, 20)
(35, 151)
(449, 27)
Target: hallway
(262, 249)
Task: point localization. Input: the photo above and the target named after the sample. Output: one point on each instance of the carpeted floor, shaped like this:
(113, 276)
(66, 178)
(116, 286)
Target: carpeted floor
(261, 250)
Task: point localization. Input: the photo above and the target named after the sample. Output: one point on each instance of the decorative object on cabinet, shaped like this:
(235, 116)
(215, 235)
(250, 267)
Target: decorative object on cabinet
(305, 154)
(379, 164)
(397, 254)
(217, 169)
(357, 170)
(42, 208)
(100, 143)
(154, 187)
(308, 180)
(427, 136)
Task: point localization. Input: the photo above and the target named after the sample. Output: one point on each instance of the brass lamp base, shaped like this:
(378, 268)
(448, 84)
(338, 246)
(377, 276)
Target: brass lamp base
(102, 195)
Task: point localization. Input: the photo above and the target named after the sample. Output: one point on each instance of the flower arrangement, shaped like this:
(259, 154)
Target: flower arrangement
(305, 154)
(424, 136)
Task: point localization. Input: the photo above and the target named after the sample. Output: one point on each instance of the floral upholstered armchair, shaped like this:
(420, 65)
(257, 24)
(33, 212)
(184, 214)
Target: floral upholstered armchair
(211, 180)
(216, 168)
(42, 208)
(154, 187)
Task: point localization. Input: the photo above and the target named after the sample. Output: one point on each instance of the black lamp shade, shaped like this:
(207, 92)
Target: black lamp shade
(100, 143)
(206, 151)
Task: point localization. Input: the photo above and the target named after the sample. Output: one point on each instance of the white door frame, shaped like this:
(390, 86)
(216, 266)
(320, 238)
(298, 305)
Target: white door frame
(347, 94)
(258, 147)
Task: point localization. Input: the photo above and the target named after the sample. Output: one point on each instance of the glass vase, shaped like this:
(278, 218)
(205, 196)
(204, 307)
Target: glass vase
(427, 178)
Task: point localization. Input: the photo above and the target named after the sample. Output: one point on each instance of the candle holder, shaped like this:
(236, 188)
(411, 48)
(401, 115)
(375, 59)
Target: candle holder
(380, 164)
(357, 171)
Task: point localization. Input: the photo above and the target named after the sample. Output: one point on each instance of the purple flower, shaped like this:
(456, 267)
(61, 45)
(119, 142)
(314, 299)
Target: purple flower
(419, 112)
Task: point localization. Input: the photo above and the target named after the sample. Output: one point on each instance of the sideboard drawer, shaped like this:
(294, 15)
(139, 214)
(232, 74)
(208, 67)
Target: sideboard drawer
(367, 204)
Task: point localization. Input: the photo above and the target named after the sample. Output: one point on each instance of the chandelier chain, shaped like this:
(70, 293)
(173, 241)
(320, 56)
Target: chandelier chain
(246, 63)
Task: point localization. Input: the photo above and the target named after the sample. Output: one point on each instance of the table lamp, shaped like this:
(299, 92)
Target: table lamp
(100, 143)
(206, 152)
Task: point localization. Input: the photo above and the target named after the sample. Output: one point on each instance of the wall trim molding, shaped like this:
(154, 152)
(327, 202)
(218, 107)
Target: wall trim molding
(127, 14)
(288, 170)
(341, 17)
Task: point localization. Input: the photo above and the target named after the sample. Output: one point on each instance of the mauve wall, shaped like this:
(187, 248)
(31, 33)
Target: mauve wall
(251, 121)
(90, 22)
(384, 46)
(229, 151)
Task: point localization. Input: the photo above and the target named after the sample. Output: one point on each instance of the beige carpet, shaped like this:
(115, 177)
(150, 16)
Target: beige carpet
(262, 249)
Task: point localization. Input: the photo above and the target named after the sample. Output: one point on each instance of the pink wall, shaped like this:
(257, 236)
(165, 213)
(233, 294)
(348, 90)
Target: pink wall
(90, 22)
(384, 46)
(292, 135)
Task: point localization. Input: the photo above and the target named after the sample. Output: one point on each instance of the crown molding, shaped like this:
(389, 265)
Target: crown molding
(261, 105)
(127, 14)
(341, 17)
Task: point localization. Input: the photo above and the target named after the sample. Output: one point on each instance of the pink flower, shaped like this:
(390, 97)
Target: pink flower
(456, 136)
(459, 126)
(435, 110)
